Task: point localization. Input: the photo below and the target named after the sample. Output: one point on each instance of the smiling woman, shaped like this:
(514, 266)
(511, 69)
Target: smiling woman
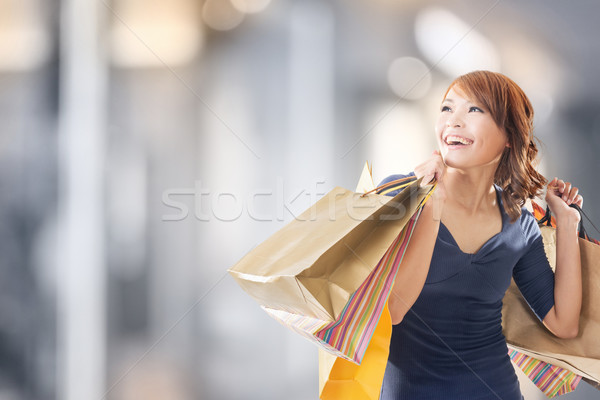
(469, 242)
(503, 115)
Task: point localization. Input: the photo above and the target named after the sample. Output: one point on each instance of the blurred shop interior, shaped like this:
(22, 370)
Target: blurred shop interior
(146, 146)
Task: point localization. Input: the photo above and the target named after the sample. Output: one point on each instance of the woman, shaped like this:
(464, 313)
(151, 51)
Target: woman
(471, 238)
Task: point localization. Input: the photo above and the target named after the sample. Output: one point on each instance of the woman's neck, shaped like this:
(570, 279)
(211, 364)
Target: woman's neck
(471, 190)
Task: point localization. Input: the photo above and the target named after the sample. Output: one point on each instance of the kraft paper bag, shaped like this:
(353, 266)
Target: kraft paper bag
(341, 379)
(313, 265)
(349, 336)
(525, 333)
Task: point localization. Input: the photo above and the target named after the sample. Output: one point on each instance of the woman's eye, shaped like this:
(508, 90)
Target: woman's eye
(476, 109)
(445, 108)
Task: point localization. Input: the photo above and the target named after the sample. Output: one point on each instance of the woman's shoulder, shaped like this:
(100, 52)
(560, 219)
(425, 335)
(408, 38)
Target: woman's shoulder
(529, 225)
(526, 222)
(392, 178)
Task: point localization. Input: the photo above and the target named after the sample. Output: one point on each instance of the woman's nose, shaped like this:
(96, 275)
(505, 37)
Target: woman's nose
(454, 121)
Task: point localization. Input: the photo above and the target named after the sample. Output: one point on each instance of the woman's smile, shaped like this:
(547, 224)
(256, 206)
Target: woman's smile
(456, 142)
(465, 125)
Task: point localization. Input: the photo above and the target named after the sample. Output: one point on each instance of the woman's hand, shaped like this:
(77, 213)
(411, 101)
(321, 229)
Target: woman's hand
(559, 195)
(434, 168)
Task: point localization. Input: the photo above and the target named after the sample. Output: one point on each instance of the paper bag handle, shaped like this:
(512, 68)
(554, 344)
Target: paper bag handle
(547, 219)
(396, 183)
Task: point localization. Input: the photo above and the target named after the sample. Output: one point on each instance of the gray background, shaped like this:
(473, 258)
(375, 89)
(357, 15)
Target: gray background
(146, 146)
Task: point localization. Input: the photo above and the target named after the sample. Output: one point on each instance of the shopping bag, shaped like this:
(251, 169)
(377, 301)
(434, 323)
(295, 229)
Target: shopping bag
(308, 274)
(349, 335)
(552, 380)
(341, 379)
(526, 334)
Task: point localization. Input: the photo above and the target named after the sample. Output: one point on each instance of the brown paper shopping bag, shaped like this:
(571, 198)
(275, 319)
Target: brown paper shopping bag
(313, 265)
(341, 379)
(525, 333)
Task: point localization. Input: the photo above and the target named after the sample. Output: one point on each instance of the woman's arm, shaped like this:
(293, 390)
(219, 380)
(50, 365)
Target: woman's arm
(414, 267)
(563, 319)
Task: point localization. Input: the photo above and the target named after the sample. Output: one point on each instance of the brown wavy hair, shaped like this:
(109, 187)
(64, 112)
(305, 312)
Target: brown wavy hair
(512, 111)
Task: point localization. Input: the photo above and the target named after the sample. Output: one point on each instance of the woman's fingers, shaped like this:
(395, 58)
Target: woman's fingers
(561, 186)
(566, 191)
(558, 186)
(426, 179)
(440, 168)
(432, 168)
(572, 195)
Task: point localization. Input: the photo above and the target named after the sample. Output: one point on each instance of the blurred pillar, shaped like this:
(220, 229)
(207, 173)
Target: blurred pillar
(81, 322)
(310, 147)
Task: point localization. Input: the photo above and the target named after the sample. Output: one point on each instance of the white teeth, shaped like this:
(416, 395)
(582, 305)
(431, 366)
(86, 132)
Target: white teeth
(457, 139)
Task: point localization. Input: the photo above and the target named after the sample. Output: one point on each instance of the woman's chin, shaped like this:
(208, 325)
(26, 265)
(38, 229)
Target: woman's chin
(452, 161)
(455, 163)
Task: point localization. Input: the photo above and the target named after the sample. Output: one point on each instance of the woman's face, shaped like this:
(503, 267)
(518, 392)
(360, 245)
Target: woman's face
(467, 134)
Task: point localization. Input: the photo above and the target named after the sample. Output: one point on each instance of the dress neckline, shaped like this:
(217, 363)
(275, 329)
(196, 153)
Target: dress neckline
(491, 239)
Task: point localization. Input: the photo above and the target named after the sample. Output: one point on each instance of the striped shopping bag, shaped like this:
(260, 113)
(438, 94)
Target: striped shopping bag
(349, 335)
(550, 379)
(343, 379)
(323, 275)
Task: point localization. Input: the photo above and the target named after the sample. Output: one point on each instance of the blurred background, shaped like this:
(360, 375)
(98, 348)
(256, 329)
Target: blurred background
(146, 146)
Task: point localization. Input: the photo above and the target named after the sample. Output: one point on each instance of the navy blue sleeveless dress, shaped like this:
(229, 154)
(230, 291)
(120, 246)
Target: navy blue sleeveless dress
(450, 343)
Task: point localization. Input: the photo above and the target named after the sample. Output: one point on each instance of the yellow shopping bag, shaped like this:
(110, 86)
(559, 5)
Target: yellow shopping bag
(341, 379)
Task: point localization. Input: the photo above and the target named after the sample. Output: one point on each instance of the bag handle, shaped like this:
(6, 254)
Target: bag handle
(392, 185)
(547, 219)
